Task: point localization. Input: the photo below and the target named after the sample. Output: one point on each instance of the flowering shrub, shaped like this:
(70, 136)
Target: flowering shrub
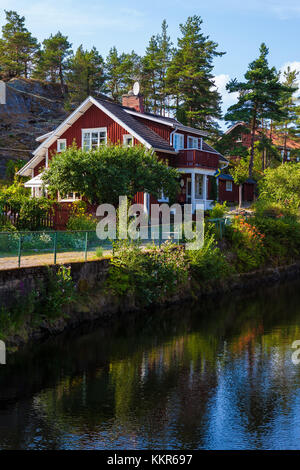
(247, 244)
(80, 219)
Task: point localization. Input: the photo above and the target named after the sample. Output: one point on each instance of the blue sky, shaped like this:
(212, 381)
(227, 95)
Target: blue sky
(238, 26)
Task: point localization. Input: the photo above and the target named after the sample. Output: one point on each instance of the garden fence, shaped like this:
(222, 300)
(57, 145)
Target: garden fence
(52, 247)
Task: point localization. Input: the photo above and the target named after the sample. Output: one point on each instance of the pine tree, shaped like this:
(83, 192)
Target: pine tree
(18, 48)
(53, 60)
(258, 98)
(190, 79)
(155, 64)
(121, 70)
(86, 75)
(290, 106)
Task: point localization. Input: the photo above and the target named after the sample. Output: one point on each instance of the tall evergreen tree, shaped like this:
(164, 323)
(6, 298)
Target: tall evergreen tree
(53, 59)
(289, 103)
(86, 74)
(190, 79)
(121, 70)
(155, 64)
(18, 48)
(259, 97)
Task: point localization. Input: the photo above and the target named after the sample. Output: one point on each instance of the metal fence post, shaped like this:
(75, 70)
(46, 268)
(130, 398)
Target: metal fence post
(19, 250)
(86, 246)
(55, 246)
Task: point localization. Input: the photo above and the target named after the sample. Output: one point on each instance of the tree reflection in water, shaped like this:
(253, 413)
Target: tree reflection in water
(216, 374)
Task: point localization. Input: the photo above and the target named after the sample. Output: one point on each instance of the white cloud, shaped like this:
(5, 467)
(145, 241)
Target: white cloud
(227, 98)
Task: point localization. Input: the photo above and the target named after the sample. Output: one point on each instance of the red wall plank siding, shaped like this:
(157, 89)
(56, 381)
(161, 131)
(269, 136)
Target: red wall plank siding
(38, 168)
(92, 118)
(233, 196)
(160, 129)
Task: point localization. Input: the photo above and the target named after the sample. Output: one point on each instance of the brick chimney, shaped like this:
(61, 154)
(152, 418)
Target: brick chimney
(135, 102)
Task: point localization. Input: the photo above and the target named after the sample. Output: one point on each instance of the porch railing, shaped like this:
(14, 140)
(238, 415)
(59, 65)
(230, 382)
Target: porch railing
(196, 158)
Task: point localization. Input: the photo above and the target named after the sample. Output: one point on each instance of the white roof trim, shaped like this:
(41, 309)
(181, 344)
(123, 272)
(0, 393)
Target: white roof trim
(34, 161)
(36, 181)
(43, 137)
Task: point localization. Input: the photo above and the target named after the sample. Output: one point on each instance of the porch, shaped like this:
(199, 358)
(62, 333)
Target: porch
(195, 188)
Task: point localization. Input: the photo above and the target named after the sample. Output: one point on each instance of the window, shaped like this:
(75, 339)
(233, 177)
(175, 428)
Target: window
(128, 140)
(194, 142)
(178, 141)
(69, 197)
(198, 186)
(239, 138)
(37, 191)
(228, 185)
(61, 145)
(288, 155)
(93, 138)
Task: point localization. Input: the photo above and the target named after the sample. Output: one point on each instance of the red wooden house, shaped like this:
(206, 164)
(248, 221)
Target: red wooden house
(289, 148)
(98, 121)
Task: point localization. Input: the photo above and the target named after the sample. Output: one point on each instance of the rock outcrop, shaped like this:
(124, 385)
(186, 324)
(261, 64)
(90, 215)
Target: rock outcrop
(32, 108)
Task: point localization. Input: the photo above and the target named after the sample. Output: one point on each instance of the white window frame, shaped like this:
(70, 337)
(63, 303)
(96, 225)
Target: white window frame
(196, 142)
(228, 186)
(61, 141)
(126, 137)
(90, 131)
(68, 199)
(239, 138)
(181, 141)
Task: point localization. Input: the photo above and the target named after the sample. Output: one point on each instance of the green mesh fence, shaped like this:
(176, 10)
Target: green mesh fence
(47, 247)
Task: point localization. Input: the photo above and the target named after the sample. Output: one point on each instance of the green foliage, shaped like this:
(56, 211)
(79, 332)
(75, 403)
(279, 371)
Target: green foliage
(258, 97)
(281, 185)
(80, 219)
(218, 211)
(190, 79)
(246, 245)
(60, 291)
(104, 174)
(46, 302)
(85, 76)
(32, 212)
(150, 276)
(282, 237)
(12, 166)
(121, 72)
(18, 49)
(53, 59)
(208, 263)
(99, 252)
(155, 64)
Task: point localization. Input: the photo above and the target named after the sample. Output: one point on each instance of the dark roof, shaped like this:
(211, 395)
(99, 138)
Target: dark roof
(157, 116)
(143, 131)
(225, 176)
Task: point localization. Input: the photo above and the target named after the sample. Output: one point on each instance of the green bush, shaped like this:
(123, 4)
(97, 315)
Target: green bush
(218, 211)
(150, 276)
(208, 262)
(80, 219)
(32, 212)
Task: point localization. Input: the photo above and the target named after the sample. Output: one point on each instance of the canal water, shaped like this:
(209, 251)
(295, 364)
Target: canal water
(216, 374)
